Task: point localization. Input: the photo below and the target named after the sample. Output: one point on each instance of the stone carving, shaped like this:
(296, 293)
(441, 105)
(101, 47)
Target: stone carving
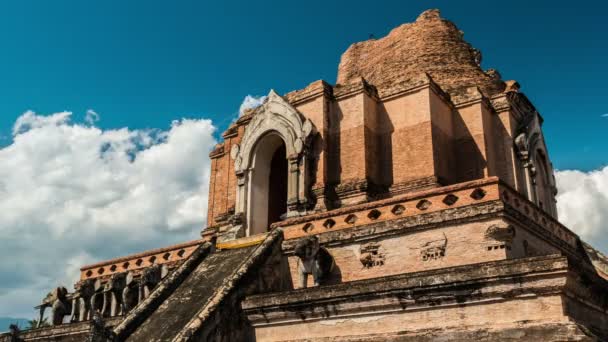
(58, 301)
(532, 152)
(112, 295)
(500, 236)
(149, 278)
(97, 297)
(234, 151)
(370, 255)
(81, 301)
(130, 293)
(434, 250)
(276, 116)
(98, 331)
(14, 331)
(314, 260)
(502, 233)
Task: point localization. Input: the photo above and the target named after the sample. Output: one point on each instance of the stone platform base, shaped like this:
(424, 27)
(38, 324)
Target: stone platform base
(528, 299)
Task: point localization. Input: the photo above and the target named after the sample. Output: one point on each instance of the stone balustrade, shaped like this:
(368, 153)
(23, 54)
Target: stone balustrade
(427, 201)
(113, 287)
(137, 262)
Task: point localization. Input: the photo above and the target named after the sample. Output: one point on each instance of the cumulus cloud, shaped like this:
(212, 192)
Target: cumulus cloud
(251, 102)
(91, 117)
(582, 204)
(72, 194)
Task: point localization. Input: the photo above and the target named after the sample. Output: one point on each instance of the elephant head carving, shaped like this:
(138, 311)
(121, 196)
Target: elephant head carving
(58, 301)
(314, 260)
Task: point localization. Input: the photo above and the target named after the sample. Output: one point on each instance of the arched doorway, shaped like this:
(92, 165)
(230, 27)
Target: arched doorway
(268, 183)
(277, 186)
(275, 124)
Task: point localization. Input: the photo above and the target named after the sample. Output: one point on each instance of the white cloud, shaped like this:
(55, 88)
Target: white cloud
(251, 102)
(91, 117)
(72, 194)
(582, 204)
(605, 115)
(30, 120)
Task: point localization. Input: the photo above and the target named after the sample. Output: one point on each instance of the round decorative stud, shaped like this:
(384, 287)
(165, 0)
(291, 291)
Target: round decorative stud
(307, 128)
(298, 145)
(234, 151)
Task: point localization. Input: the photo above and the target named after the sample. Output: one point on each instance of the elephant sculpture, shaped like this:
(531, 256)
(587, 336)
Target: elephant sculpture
(97, 299)
(150, 277)
(59, 303)
(314, 260)
(138, 289)
(112, 295)
(130, 293)
(81, 301)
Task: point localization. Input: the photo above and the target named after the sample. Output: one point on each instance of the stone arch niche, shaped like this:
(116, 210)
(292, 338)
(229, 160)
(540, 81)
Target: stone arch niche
(274, 125)
(537, 169)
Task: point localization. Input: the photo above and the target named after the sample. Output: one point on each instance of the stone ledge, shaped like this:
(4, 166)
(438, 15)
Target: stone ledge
(407, 224)
(65, 332)
(139, 261)
(526, 332)
(389, 201)
(433, 280)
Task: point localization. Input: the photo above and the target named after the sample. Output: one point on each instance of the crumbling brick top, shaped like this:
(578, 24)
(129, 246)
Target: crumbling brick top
(430, 45)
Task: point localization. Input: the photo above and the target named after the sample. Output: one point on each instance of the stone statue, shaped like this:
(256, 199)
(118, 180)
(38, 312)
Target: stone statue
(81, 301)
(129, 293)
(97, 297)
(14, 332)
(58, 301)
(149, 278)
(314, 260)
(112, 295)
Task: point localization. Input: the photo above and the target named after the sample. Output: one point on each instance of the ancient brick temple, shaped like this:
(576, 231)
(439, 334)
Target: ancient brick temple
(412, 201)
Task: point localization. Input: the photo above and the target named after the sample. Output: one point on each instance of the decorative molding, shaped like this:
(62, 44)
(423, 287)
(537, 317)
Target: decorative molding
(370, 255)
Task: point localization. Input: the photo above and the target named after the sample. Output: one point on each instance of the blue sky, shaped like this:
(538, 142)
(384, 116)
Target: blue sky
(145, 63)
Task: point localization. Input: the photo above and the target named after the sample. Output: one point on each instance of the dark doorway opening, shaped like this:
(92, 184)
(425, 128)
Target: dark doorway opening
(277, 186)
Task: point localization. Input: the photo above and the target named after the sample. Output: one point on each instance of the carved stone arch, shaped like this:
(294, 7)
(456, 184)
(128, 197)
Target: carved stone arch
(544, 180)
(275, 117)
(538, 171)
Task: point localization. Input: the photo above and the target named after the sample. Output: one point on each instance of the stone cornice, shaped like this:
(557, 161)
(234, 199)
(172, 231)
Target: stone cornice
(412, 196)
(139, 261)
(76, 331)
(516, 102)
(412, 85)
(412, 291)
(472, 201)
(398, 226)
(343, 91)
(312, 91)
(218, 151)
(232, 131)
(470, 96)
